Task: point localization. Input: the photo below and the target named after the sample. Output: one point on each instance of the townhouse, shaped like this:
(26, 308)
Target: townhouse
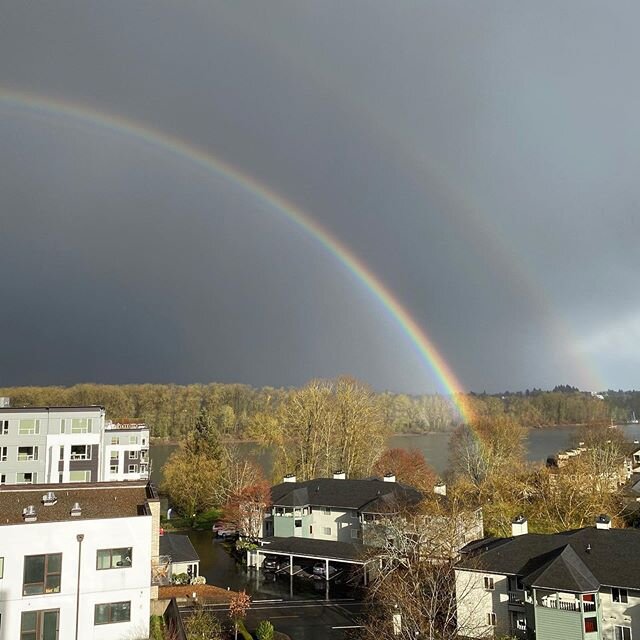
(70, 444)
(76, 561)
(575, 585)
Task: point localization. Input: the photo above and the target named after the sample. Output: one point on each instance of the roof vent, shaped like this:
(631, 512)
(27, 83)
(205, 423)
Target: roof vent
(603, 522)
(49, 499)
(76, 510)
(289, 477)
(389, 477)
(519, 526)
(339, 475)
(29, 514)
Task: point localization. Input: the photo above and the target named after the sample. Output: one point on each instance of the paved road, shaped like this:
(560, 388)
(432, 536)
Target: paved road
(302, 619)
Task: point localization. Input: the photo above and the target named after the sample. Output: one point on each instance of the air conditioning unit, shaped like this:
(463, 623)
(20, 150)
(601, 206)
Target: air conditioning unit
(76, 510)
(49, 499)
(29, 514)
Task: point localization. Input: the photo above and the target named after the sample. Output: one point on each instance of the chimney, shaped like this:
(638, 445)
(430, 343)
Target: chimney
(519, 526)
(389, 477)
(76, 510)
(339, 475)
(440, 489)
(603, 522)
(49, 499)
(29, 514)
(289, 478)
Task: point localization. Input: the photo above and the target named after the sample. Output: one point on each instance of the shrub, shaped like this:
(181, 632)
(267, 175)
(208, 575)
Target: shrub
(264, 631)
(180, 578)
(156, 628)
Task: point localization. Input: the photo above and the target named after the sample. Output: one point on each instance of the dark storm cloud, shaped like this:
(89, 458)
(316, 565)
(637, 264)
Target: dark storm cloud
(480, 157)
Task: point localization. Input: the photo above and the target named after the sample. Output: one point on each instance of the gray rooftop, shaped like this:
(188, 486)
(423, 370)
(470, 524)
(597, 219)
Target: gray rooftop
(179, 547)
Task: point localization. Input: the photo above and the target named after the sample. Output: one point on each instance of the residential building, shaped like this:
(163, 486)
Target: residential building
(76, 561)
(70, 444)
(182, 556)
(581, 584)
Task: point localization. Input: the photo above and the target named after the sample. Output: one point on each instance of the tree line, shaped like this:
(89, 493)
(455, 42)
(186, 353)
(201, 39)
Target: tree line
(171, 411)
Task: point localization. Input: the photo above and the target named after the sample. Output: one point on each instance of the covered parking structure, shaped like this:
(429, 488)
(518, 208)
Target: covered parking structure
(327, 551)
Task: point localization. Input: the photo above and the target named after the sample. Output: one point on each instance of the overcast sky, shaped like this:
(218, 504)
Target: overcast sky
(482, 158)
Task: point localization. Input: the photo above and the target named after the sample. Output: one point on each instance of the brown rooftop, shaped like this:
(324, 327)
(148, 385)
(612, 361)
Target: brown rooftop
(96, 500)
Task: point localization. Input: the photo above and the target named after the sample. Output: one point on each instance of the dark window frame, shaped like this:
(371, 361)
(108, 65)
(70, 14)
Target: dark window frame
(37, 633)
(619, 595)
(111, 566)
(110, 609)
(47, 575)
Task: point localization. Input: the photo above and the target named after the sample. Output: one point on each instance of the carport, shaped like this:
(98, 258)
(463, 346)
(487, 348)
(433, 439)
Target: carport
(326, 551)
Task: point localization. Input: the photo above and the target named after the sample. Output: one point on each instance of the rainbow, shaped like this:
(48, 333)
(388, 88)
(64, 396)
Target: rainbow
(169, 143)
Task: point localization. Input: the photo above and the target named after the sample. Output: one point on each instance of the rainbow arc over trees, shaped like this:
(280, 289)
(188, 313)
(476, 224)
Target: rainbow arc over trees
(165, 142)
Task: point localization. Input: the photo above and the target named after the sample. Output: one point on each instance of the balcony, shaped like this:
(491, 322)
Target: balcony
(516, 598)
(161, 571)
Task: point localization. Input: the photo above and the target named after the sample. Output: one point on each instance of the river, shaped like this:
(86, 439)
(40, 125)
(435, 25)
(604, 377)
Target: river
(541, 443)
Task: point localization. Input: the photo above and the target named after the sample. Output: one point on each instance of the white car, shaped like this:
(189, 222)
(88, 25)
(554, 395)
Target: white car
(223, 530)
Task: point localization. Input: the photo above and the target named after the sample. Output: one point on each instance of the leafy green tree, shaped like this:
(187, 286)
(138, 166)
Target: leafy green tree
(265, 630)
(201, 625)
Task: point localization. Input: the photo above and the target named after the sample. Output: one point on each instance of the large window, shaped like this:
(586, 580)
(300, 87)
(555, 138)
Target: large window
(112, 612)
(80, 452)
(26, 478)
(488, 583)
(590, 625)
(42, 574)
(29, 427)
(114, 558)
(79, 476)
(27, 453)
(3, 454)
(81, 425)
(491, 619)
(621, 633)
(39, 625)
(619, 595)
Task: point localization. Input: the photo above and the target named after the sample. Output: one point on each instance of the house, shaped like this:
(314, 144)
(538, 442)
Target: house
(70, 444)
(181, 554)
(580, 584)
(76, 561)
(339, 520)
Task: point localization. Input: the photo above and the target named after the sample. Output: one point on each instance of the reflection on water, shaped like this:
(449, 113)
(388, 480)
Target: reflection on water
(541, 443)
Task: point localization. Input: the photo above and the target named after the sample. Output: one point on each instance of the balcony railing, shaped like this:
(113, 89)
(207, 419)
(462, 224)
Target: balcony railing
(563, 605)
(516, 597)
(161, 570)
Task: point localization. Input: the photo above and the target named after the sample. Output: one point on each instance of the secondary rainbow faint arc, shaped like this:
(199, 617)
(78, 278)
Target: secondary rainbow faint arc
(168, 142)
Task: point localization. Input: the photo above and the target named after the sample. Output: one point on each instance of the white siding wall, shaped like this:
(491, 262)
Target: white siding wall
(618, 613)
(474, 602)
(96, 587)
(341, 522)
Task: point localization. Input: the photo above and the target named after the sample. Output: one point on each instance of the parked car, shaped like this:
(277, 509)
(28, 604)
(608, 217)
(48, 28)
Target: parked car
(274, 563)
(223, 530)
(319, 570)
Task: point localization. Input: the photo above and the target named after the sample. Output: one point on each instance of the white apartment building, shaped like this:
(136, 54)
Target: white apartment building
(70, 444)
(76, 561)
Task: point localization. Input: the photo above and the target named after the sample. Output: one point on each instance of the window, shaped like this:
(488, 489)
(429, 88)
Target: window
(133, 439)
(80, 452)
(114, 440)
(42, 574)
(26, 478)
(27, 453)
(354, 515)
(621, 633)
(112, 612)
(355, 534)
(80, 476)
(81, 425)
(39, 625)
(619, 595)
(326, 511)
(29, 427)
(491, 619)
(488, 583)
(298, 523)
(133, 455)
(3, 454)
(590, 625)
(1, 567)
(113, 468)
(310, 529)
(114, 558)
(3, 478)
(4, 427)
(62, 425)
(326, 531)
(143, 441)
(133, 468)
